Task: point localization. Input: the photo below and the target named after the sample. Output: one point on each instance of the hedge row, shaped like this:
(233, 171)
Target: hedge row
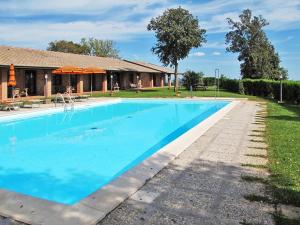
(264, 88)
(209, 81)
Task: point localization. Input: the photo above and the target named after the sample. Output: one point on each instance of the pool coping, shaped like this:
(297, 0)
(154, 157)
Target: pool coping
(96, 206)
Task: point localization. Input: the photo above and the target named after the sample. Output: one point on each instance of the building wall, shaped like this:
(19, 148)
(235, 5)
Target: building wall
(43, 88)
(3, 83)
(145, 79)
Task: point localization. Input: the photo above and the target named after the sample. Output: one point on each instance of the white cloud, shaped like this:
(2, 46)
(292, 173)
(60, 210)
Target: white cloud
(27, 7)
(126, 20)
(38, 34)
(198, 54)
(216, 53)
(281, 15)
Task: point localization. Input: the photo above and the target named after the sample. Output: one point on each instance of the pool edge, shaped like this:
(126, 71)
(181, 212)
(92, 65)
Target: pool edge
(97, 205)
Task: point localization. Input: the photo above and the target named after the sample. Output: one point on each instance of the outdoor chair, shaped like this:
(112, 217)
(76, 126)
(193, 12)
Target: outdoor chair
(16, 93)
(133, 86)
(24, 93)
(116, 87)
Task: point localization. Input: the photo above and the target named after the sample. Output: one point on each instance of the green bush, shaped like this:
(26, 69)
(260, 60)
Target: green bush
(209, 81)
(194, 79)
(265, 88)
(230, 85)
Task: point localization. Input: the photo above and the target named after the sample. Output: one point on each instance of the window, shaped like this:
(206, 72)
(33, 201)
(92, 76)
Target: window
(57, 80)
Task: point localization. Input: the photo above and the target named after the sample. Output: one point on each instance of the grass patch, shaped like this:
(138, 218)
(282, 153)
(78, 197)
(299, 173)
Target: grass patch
(257, 155)
(255, 179)
(283, 138)
(254, 166)
(282, 220)
(249, 223)
(256, 135)
(258, 141)
(166, 93)
(257, 148)
(258, 198)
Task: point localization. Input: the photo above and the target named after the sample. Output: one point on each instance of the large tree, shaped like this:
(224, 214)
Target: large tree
(65, 46)
(87, 46)
(96, 47)
(256, 53)
(177, 31)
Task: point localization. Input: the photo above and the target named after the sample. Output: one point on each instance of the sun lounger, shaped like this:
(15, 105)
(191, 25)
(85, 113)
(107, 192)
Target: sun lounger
(33, 103)
(10, 105)
(82, 97)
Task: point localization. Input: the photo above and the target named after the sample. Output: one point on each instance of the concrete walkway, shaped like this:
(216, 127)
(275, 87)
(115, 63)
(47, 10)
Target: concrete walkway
(203, 185)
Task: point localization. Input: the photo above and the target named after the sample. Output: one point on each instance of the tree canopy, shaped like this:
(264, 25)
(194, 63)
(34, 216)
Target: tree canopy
(90, 46)
(177, 31)
(256, 53)
(65, 46)
(102, 48)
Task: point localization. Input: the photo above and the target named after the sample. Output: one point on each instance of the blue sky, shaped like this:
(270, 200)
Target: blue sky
(34, 23)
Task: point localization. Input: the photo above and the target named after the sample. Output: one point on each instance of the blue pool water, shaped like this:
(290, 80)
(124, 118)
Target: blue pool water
(64, 157)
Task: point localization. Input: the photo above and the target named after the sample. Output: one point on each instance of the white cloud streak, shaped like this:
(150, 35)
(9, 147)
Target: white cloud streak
(198, 54)
(216, 53)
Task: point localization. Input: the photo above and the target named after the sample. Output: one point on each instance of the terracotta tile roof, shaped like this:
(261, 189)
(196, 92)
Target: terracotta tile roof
(153, 66)
(24, 57)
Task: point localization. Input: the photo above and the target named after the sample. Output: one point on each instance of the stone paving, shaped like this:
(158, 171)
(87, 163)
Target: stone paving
(203, 185)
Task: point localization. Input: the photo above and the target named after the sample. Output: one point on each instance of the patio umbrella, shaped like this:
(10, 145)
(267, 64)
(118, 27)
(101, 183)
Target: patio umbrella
(12, 78)
(92, 71)
(68, 70)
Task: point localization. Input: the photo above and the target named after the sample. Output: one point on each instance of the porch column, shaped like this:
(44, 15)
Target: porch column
(151, 80)
(3, 84)
(169, 81)
(162, 80)
(104, 83)
(80, 84)
(48, 85)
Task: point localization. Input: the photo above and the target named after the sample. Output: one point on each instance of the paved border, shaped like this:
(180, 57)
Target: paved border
(97, 205)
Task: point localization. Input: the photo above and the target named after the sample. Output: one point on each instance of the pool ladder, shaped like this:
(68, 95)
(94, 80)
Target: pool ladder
(70, 102)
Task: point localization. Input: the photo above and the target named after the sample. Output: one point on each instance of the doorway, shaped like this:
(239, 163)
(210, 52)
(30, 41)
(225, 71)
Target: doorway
(73, 82)
(30, 81)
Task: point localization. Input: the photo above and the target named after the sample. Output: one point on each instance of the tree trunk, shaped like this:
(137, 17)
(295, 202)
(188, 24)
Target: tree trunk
(176, 79)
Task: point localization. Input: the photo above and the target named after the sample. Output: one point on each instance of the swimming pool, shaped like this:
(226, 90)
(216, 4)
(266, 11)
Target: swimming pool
(66, 156)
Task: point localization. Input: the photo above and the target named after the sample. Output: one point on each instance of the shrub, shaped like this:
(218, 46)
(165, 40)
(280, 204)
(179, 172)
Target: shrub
(265, 88)
(194, 79)
(209, 81)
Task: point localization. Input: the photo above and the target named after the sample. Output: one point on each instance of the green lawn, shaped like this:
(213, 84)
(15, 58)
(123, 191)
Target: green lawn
(166, 93)
(283, 137)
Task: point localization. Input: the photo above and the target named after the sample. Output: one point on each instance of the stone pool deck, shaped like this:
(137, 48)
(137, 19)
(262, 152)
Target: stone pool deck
(203, 185)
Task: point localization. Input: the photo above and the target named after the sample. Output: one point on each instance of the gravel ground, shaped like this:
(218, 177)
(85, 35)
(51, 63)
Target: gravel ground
(203, 185)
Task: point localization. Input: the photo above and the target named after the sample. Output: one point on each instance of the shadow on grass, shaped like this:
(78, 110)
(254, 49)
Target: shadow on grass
(287, 118)
(282, 193)
(258, 198)
(250, 223)
(254, 179)
(257, 155)
(257, 166)
(279, 219)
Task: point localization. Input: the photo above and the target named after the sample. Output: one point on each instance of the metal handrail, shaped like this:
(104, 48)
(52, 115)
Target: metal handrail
(60, 96)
